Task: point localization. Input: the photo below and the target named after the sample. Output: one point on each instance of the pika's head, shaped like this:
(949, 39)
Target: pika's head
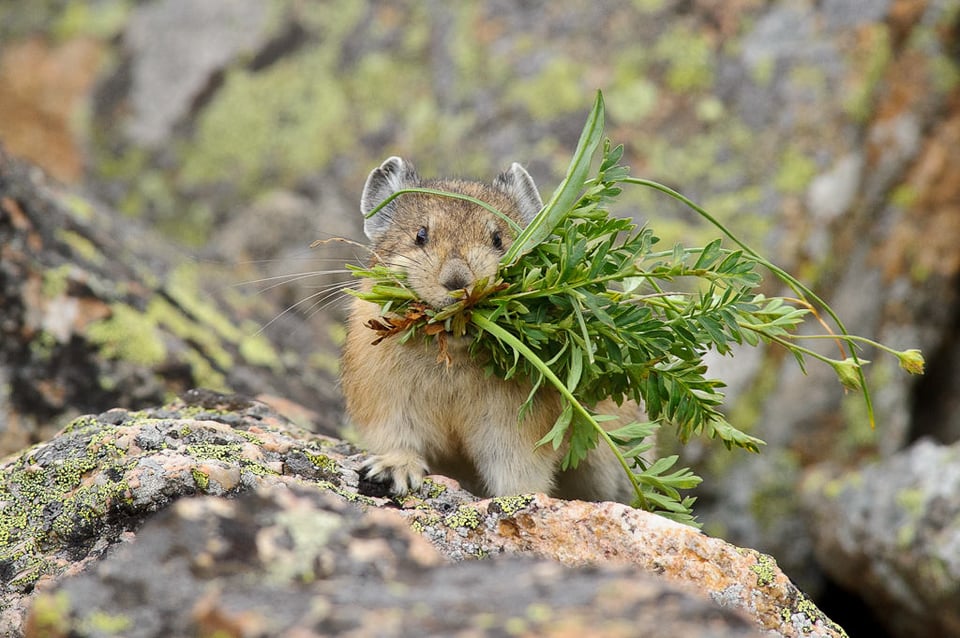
(443, 243)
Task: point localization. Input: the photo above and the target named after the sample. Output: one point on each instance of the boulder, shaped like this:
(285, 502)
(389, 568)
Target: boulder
(890, 532)
(126, 522)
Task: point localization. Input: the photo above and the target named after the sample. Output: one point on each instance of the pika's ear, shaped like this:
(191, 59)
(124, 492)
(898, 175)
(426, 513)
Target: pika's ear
(394, 174)
(517, 183)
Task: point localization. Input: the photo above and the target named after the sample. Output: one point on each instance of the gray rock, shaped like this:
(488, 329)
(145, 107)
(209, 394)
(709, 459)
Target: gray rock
(291, 560)
(177, 47)
(891, 533)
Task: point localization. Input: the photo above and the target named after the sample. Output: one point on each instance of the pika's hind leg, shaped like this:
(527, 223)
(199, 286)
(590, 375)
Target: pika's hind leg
(506, 455)
(598, 477)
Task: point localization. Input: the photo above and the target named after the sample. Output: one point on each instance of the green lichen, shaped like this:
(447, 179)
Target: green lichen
(346, 494)
(774, 499)
(426, 520)
(56, 281)
(60, 499)
(869, 64)
(201, 479)
(129, 335)
(42, 345)
(102, 20)
(811, 614)
(432, 489)
(230, 453)
(795, 173)
(510, 505)
(689, 57)
(257, 350)
(466, 516)
(285, 120)
(765, 569)
(554, 91)
(101, 623)
(324, 462)
(81, 246)
(50, 614)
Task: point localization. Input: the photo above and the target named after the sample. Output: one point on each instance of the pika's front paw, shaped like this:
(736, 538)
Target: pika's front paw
(400, 472)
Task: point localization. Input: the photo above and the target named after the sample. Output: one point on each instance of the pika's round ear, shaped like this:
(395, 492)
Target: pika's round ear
(517, 183)
(394, 174)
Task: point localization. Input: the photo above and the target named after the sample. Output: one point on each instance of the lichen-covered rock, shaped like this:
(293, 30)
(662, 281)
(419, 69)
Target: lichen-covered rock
(891, 533)
(69, 502)
(295, 561)
(98, 312)
(579, 533)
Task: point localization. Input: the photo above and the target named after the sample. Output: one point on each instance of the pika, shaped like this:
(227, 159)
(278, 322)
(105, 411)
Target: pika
(419, 415)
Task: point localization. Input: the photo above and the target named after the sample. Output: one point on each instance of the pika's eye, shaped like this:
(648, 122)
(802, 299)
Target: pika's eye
(497, 240)
(421, 236)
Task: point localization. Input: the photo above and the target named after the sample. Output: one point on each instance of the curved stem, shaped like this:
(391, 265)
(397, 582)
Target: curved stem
(783, 275)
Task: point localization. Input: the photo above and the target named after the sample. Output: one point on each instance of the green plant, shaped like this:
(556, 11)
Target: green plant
(584, 303)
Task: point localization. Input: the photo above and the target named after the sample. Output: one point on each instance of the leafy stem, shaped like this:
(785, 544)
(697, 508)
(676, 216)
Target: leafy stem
(480, 320)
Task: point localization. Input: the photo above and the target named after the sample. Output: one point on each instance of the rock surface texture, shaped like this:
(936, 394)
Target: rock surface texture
(891, 532)
(100, 536)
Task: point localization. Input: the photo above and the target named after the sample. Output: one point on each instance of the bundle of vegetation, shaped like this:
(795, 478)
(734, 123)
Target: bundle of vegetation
(588, 304)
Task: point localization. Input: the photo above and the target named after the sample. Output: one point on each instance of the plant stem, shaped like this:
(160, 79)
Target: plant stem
(781, 274)
(481, 321)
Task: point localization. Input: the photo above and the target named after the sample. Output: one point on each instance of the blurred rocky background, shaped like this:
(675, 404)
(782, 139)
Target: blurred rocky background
(198, 148)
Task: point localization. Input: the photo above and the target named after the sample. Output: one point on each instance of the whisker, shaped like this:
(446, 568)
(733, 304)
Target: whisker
(285, 311)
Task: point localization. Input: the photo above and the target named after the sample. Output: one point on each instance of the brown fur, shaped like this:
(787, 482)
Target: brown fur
(417, 414)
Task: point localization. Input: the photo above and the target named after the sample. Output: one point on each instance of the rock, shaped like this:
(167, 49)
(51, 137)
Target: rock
(177, 49)
(98, 312)
(82, 548)
(295, 559)
(891, 533)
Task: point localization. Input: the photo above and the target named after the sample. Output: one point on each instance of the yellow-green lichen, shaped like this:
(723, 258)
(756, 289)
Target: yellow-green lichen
(80, 207)
(285, 120)
(200, 479)
(100, 623)
(80, 245)
(871, 58)
(466, 516)
(324, 463)
(42, 345)
(257, 350)
(427, 519)
(556, 90)
(50, 614)
(129, 335)
(811, 614)
(102, 20)
(795, 172)
(58, 499)
(688, 56)
(346, 494)
(510, 505)
(765, 569)
(56, 281)
(432, 489)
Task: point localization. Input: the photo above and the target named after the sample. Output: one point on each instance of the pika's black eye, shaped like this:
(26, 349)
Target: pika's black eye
(497, 240)
(421, 236)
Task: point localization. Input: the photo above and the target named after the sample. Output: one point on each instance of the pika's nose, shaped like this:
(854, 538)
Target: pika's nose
(455, 275)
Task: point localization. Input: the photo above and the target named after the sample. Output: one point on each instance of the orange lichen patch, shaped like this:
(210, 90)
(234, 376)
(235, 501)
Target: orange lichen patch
(41, 88)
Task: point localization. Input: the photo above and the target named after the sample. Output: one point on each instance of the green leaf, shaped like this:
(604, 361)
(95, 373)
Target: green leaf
(567, 193)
